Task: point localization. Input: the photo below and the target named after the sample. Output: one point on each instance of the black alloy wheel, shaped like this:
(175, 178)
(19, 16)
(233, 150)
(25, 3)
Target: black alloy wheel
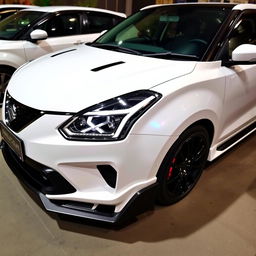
(5, 76)
(183, 165)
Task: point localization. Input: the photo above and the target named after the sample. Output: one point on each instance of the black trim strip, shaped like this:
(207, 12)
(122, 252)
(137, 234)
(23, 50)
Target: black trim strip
(107, 66)
(236, 137)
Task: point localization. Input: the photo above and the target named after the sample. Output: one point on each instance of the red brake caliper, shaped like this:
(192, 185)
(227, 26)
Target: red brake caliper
(171, 168)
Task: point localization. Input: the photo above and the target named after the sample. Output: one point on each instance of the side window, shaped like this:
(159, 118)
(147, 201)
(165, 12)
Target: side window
(243, 33)
(5, 14)
(117, 19)
(62, 25)
(97, 22)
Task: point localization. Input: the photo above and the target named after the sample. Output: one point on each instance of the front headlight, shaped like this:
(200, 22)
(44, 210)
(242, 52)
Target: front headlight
(111, 119)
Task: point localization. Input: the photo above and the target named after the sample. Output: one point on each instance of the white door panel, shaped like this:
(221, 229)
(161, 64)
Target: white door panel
(240, 99)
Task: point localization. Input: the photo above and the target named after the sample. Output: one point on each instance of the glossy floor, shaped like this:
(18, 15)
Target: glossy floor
(217, 218)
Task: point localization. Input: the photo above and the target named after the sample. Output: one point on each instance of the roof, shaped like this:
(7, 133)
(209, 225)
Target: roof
(10, 6)
(244, 6)
(235, 7)
(73, 8)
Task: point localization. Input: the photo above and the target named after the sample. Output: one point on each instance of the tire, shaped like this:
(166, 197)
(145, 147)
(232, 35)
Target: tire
(183, 165)
(5, 75)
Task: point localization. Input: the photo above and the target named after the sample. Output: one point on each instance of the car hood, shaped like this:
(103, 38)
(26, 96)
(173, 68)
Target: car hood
(74, 79)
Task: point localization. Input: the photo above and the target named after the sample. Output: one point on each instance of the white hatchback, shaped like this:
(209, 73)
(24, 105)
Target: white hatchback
(103, 131)
(31, 33)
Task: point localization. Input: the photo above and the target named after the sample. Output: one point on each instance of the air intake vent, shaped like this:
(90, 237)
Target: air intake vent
(109, 174)
(107, 66)
(60, 53)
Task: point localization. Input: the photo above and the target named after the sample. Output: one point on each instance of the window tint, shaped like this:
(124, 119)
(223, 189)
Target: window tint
(15, 23)
(244, 33)
(180, 29)
(4, 14)
(97, 22)
(62, 25)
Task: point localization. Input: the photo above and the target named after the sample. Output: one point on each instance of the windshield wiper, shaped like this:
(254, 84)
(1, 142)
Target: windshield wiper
(115, 47)
(155, 55)
(171, 55)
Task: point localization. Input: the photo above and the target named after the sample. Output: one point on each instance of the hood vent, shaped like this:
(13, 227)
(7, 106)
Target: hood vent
(57, 54)
(107, 66)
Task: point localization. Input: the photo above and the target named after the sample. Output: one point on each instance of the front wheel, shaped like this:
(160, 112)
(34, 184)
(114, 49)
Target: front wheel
(5, 76)
(183, 165)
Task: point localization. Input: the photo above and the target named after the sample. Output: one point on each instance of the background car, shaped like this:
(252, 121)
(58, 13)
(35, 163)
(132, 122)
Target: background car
(103, 131)
(29, 34)
(8, 9)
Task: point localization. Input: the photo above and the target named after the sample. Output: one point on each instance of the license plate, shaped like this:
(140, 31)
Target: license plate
(14, 143)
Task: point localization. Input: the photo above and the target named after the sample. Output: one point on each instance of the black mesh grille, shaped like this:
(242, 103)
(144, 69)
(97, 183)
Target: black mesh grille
(17, 115)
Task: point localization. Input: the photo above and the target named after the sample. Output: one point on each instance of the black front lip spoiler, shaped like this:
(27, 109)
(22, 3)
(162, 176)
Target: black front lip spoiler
(142, 201)
(139, 203)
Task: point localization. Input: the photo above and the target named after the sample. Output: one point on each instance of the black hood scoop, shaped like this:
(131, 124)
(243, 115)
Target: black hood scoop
(60, 53)
(107, 66)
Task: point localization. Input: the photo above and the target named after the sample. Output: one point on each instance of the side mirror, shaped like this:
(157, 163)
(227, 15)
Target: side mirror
(38, 34)
(245, 53)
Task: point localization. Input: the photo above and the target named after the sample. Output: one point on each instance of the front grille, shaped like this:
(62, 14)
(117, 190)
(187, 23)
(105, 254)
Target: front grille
(17, 115)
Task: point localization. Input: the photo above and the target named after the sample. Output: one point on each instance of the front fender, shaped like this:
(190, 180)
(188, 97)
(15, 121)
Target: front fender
(185, 101)
(176, 112)
(13, 59)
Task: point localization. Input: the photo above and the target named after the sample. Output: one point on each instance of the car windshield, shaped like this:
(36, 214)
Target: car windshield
(12, 25)
(172, 32)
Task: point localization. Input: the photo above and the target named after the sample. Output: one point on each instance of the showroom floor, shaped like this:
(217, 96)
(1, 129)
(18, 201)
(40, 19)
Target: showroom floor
(217, 218)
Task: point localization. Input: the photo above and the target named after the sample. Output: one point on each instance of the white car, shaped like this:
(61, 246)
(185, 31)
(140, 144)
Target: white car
(103, 131)
(31, 33)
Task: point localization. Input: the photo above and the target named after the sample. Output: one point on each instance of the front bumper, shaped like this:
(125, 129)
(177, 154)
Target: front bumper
(34, 176)
(104, 181)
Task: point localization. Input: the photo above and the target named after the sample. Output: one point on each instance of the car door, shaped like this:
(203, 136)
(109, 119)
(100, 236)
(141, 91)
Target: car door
(64, 30)
(240, 94)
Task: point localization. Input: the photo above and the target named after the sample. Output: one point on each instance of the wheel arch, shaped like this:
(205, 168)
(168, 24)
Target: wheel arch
(207, 123)
(13, 59)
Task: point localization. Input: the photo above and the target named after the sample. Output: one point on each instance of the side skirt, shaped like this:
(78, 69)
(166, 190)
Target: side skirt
(238, 137)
